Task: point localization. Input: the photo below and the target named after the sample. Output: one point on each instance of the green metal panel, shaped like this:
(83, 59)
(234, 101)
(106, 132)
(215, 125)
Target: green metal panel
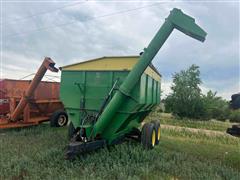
(84, 92)
(154, 92)
(143, 89)
(158, 91)
(149, 90)
(97, 86)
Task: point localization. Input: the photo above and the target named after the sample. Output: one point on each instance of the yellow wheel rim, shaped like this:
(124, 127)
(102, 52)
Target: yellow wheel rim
(159, 133)
(153, 138)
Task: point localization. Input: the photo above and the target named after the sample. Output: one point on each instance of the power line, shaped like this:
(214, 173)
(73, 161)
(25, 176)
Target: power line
(42, 13)
(32, 74)
(89, 19)
(53, 76)
(50, 79)
(26, 76)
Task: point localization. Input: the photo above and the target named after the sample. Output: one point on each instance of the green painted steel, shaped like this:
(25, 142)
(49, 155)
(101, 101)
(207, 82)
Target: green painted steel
(177, 20)
(83, 92)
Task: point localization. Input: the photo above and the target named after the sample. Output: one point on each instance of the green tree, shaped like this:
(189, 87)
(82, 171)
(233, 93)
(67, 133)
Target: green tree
(215, 106)
(185, 100)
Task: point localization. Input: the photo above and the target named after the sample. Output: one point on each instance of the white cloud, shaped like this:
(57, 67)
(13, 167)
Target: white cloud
(166, 88)
(124, 34)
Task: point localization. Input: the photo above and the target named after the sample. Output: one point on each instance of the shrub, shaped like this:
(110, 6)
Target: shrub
(235, 116)
(215, 106)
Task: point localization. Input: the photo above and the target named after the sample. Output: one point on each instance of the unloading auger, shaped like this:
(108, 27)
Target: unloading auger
(125, 111)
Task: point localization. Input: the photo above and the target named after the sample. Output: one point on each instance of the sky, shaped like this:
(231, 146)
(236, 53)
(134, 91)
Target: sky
(75, 31)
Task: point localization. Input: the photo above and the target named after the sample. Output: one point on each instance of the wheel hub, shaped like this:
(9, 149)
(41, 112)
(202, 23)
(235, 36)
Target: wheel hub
(62, 120)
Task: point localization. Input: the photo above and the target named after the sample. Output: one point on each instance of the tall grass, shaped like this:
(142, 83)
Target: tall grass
(38, 153)
(208, 125)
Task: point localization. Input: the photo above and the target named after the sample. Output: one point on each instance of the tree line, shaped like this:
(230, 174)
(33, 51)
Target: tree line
(187, 99)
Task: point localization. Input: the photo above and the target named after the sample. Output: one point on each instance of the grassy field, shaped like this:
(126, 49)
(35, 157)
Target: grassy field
(209, 125)
(38, 153)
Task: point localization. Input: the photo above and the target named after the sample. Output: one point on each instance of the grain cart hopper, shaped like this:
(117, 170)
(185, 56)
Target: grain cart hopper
(105, 107)
(26, 103)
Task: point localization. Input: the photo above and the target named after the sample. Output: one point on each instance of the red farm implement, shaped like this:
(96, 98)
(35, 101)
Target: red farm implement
(26, 103)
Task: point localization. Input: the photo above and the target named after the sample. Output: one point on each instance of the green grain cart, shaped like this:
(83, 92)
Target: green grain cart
(105, 104)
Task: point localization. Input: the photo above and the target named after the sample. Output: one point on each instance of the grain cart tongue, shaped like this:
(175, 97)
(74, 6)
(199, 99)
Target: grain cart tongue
(133, 98)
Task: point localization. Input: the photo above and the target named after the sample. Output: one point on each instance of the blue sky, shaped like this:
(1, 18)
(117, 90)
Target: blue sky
(70, 32)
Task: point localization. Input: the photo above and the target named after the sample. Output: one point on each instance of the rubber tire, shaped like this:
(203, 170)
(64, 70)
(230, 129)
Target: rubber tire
(157, 126)
(146, 135)
(55, 116)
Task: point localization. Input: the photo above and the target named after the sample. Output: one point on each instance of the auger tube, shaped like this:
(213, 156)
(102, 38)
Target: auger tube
(177, 19)
(47, 64)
